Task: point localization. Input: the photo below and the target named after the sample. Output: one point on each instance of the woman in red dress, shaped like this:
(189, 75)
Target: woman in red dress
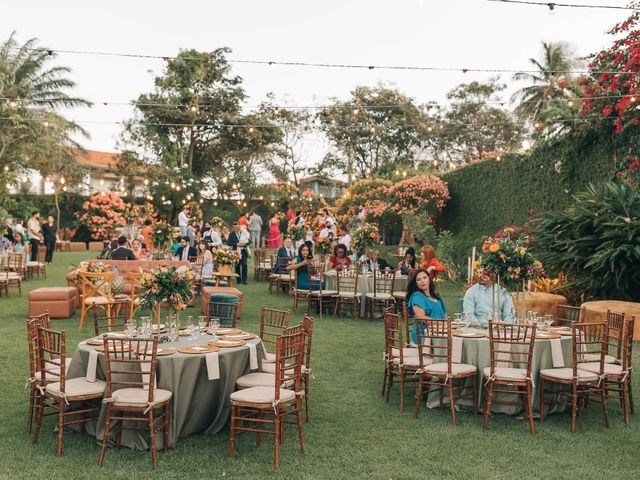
(275, 237)
(430, 263)
(339, 260)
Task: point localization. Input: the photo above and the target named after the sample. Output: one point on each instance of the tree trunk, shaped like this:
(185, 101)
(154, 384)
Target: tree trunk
(191, 151)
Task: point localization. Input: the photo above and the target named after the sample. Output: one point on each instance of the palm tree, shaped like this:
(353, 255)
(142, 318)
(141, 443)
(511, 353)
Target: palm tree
(552, 80)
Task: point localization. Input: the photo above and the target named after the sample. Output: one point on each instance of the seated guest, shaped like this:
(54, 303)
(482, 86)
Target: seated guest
(408, 263)
(422, 300)
(339, 260)
(122, 252)
(185, 251)
(300, 263)
(206, 258)
(9, 230)
(478, 301)
(430, 263)
(137, 250)
(344, 237)
(285, 251)
(106, 250)
(374, 262)
(147, 235)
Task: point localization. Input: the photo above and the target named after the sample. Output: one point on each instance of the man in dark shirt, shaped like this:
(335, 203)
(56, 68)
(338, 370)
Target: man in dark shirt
(185, 251)
(49, 231)
(122, 252)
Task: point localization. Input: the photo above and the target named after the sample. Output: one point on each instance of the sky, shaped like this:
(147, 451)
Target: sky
(442, 33)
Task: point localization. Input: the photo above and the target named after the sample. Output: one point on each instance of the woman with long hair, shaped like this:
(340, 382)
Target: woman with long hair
(408, 263)
(138, 251)
(300, 263)
(18, 245)
(204, 256)
(275, 236)
(430, 263)
(422, 299)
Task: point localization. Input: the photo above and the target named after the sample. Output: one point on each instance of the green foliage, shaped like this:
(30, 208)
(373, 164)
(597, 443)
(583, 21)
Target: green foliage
(424, 233)
(595, 242)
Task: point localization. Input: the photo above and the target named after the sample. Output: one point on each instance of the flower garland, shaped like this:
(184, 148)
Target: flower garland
(103, 212)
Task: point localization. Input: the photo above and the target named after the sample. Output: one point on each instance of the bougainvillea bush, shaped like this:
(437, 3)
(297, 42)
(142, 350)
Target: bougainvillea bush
(421, 195)
(372, 195)
(102, 213)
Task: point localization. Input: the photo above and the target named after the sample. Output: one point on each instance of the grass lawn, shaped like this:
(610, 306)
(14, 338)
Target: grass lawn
(353, 433)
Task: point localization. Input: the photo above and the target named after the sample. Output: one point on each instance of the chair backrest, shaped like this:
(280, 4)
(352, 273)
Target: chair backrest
(615, 333)
(627, 345)
(307, 324)
(347, 281)
(258, 256)
(283, 263)
(16, 262)
(227, 313)
(51, 356)
(289, 357)
(383, 283)
(272, 323)
(511, 345)
(97, 284)
(406, 320)
(566, 314)
(130, 363)
(588, 339)
(33, 324)
(434, 340)
(392, 334)
(316, 276)
(111, 319)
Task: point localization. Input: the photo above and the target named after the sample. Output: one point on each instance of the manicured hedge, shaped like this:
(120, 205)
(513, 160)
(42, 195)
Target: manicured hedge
(489, 195)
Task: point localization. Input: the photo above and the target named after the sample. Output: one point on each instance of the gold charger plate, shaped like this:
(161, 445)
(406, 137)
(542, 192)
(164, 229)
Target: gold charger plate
(162, 352)
(224, 343)
(198, 349)
(227, 331)
(239, 336)
(183, 333)
(95, 341)
(469, 334)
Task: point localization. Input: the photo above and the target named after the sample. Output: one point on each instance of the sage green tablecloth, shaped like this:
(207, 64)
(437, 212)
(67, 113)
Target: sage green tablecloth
(475, 351)
(198, 405)
(365, 285)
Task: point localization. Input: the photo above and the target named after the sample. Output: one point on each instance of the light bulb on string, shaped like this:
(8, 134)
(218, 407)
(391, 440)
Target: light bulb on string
(526, 144)
(272, 204)
(165, 62)
(25, 179)
(146, 181)
(244, 204)
(13, 104)
(404, 173)
(355, 111)
(163, 198)
(633, 99)
(224, 179)
(194, 109)
(45, 124)
(373, 129)
(62, 180)
(6, 168)
(498, 158)
(429, 129)
(250, 129)
(64, 189)
(201, 201)
(185, 129)
(101, 181)
(215, 204)
(552, 8)
(570, 103)
(173, 185)
(397, 172)
(178, 188)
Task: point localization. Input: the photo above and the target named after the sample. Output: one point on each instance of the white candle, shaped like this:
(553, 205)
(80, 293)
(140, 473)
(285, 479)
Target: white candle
(469, 271)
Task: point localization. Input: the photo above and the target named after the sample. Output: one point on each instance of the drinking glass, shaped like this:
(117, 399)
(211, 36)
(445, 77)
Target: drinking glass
(548, 319)
(202, 323)
(466, 319)
(189, 319)
(193, 331)
(214, 324)
(131, 328)
(457, 318)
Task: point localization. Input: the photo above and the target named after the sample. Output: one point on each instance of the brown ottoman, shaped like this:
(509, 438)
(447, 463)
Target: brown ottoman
(96, 246)
(61, 302)
(78, 247)
(208, 291)
(541, 302)
(596, 311)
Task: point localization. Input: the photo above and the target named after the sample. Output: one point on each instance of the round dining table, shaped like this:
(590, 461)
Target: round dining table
(198, 404)
(547, 353)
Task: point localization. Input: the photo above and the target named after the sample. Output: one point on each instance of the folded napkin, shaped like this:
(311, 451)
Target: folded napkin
(556, 353)
(253, 356)
(92, 366)
(213, 365)
(456, 349)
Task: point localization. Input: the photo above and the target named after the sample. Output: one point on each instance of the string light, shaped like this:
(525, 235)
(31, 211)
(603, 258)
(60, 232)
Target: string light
(404, 173)
(633, 99)
(355, 111)
(552, 6)
(251, 129)
(194, 109)
(45, 124)
(6, 168)
(13, 104)
(435, 163)
(215, 204)
(163, 198)
(272, 204)
(64, 189)
(62, 180)
(101, 181)
(166, 62)
(201, 201)
(224, 179)
(146, 181)
(178, 188)
(498, 158)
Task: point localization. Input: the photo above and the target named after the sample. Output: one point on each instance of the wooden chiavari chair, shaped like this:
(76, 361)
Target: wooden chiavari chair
(59, 393)
(272, 323)
(566, 315)
(273, 405)
(12, 272)
(382, 296)
(586, 338)
(136, 290)
(96, 292)
(283, 278)
(617, 376)
(399, 361)
(35, 384)
(298, 293)
(319, 296)
(227, 313)
(139, 399)
(347, 292)
(259, 263)
(435, 343)
(511, 354)
(307, 325)
(38, 266)
(111, 319)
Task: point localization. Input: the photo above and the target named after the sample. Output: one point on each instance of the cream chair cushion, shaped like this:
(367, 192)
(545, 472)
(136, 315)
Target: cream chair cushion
(271, 368)
(609, 368)
(96, 300)
(259, 379)
(380, 296)
(406, 352)
(413, 361)
(262, 395)
(456, 369)
(567, 374)
(139, 397)
(269, 357)
(595, 357)
(507, 374)
(77, 387)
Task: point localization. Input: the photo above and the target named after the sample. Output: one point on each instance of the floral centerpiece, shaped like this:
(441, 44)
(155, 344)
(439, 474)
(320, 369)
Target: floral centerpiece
(89, 267)
(224, 258)
(323, 246)
(296, 232)
(217, 222)
(162, 236)
(173, 286)
(509, 259)
(365, 237)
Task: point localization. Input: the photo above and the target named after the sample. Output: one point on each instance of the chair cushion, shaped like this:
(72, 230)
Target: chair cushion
(77, 387)
(96, 300)
(224, 298)
(323, 292)
(609, 368)
(349, 295)
(269, 357)
(139, 397)
(261, 395)
(271, 368)
(380, 296)
(507, 374)
(400, 294)
(413, 362)
(594, 357)
(456, 369)
(406, 352)
(567, 374)
(259, 379)
(51, 377)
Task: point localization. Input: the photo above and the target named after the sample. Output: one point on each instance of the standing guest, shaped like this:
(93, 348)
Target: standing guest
(291, 215)
(244, 220)
(423, 301)
(185, 251)
(213, 237)
(49, 233)
(205, 257)
(18, 243)
(408, 263)
(299, 220)
(481, 299)
(224, 235)
(34, 233)
(339, 260)
(191, 233)
(255, 226)
(9, 232)
(430, 263)
(238, 240)
(147, 235)
(122, 252)
(300, 263)
(183, 220)
(19, 227)
(345, 238)
(326, 231)
(275, 237)
(138, 250)
(285, 251)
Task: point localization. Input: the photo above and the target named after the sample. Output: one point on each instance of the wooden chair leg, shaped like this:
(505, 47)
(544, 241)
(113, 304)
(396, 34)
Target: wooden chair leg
(307, 398)
(541, 400)
(474, 396)
(402, 375)
(487, 410)
(390, 384)
(152, 439)
(259, 425)
(276, 453)
(574, 401)
(452, 403)
(32, 407)
(529, 407)
(303, 449)
(605, 407)
(39, 415)
(60, 426)
(630, 394)
(623, 398)
(105, 435)
(419, 396)
(232, 436)
(167, 418)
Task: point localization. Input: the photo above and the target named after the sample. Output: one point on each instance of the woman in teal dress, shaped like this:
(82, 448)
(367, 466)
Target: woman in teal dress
(300, 263)
(423, 301)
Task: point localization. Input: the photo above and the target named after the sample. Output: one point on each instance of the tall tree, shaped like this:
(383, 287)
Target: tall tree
(551, 81)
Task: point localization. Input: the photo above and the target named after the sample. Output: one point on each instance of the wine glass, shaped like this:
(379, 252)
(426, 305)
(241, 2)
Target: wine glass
(213, 326)
(202, 323)
(457, 318)
(548, 319)
(466, 319)
(193, 331)
(131, 328)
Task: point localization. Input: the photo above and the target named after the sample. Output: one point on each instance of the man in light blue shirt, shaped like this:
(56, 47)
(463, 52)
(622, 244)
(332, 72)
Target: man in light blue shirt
(478, 301)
